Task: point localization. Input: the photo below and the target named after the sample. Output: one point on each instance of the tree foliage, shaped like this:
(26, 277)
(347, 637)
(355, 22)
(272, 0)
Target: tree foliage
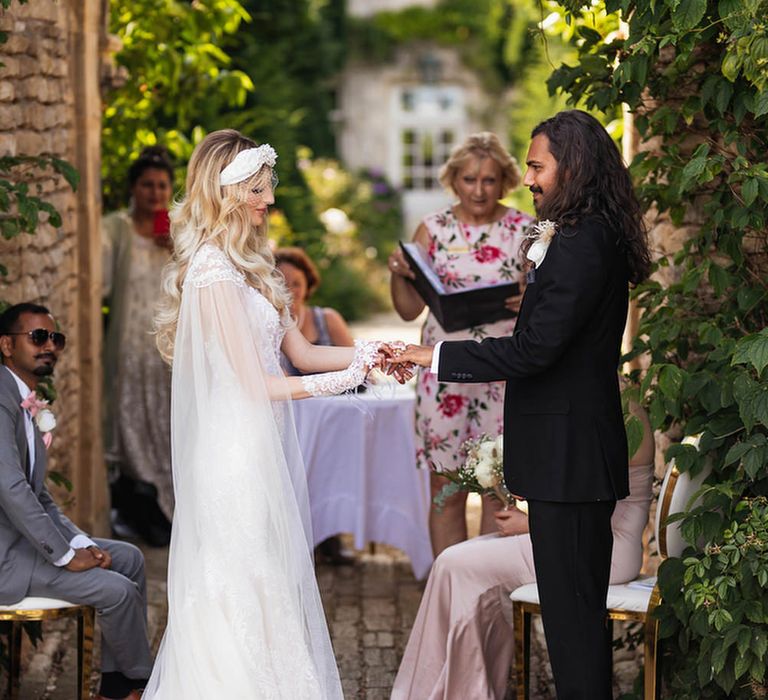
(175, 80)
(694, 73)
(291, 52)
(189, 68)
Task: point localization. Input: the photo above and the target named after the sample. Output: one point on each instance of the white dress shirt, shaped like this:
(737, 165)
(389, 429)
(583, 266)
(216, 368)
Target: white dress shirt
(78, 541)
(436, 357)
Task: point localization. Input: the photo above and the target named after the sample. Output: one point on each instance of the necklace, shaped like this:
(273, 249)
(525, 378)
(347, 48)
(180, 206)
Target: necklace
(462, 246)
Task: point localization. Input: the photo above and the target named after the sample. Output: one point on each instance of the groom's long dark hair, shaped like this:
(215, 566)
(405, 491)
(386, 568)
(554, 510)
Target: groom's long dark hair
(592, 181)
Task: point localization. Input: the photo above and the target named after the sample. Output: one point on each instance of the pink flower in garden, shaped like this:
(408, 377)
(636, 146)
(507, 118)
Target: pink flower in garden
(488, 253)
(451, 404)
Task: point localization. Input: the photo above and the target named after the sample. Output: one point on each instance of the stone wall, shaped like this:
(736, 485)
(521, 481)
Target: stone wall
(50, 103)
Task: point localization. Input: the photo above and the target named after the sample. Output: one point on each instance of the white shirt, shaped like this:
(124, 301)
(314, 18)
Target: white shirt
(436, 357)
(78, 541)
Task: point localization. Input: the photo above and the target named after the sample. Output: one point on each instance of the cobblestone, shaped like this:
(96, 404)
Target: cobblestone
(370, 607)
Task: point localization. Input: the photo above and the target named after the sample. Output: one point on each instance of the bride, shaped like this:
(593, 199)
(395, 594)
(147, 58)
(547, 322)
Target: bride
(245, 618)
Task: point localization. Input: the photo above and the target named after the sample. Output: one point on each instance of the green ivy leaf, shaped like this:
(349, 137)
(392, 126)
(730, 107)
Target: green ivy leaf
(742, 664)
(718, 278)
(753, 350)
(736, 452)
(68, 171)
(692, 170)
(731, 65)
(761, 104)
(634, 428)
(671, 381)
(749, 191)
(688, 14)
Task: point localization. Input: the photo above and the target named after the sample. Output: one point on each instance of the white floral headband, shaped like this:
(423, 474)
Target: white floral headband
(247, 163)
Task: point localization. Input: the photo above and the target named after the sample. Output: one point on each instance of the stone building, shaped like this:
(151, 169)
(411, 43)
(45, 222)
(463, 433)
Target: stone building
(50, 103)
(404, 115)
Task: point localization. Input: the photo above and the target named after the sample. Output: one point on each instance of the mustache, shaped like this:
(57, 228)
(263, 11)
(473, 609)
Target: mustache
(46, 356)
(535, 189)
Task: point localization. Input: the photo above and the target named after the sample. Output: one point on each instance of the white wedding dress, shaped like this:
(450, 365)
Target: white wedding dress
(245, 619)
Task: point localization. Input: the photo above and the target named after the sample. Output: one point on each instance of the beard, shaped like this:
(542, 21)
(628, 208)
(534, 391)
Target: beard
(537, 204)
(46, 368)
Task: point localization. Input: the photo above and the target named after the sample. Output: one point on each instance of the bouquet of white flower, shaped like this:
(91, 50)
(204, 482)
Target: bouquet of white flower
(482, 472)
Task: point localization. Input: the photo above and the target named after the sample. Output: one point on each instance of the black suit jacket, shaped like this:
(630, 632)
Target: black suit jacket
(564, 436)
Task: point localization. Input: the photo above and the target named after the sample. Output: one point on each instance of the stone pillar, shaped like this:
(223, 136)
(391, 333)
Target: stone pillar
(87, 36)
(49, 102)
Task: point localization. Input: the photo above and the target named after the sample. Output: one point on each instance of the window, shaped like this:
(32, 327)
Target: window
(423, 152)
(431, 119)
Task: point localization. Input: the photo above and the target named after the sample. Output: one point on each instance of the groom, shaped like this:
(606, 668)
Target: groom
(565, 448)
(42, 552)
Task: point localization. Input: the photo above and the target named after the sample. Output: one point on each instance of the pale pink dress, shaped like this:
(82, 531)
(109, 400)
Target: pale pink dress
(465, 257)
(461, 643)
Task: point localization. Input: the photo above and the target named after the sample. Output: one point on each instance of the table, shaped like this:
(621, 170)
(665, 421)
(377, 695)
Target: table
(361, 471)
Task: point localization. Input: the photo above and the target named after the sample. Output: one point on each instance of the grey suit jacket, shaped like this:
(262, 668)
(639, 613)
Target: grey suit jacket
(32, 528)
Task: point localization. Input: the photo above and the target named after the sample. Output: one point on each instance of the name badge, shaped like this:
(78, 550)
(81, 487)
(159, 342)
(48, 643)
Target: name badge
(530, 276)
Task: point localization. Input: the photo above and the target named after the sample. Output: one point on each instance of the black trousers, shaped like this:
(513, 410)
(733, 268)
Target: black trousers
(572, 547)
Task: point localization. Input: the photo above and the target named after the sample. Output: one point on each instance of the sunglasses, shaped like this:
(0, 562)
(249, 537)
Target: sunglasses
(40, 336)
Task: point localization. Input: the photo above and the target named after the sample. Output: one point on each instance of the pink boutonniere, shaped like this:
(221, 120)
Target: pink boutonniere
(42, 415)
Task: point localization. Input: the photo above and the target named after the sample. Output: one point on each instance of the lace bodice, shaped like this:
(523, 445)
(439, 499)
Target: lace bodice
(210, 265)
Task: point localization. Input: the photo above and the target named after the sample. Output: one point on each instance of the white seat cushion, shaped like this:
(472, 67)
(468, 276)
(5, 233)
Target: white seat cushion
(626, 597)
(623, 596)
(529, 593)
(37, 604)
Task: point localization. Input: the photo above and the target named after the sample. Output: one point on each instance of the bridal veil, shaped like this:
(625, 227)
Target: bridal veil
(245, 618)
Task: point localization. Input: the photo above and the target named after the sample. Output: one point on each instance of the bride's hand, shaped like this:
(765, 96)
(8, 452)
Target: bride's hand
(388, 353)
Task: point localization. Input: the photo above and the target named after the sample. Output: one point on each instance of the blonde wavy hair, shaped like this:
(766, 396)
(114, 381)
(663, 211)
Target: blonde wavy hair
(484, 144)
(211, 213)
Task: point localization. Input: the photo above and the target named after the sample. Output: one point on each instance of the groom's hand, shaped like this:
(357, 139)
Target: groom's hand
(420, 355)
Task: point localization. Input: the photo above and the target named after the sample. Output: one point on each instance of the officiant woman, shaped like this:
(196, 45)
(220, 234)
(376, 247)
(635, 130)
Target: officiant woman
(474, 242)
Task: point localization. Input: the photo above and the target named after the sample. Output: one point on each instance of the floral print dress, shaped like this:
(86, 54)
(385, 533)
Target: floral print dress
(465, 256)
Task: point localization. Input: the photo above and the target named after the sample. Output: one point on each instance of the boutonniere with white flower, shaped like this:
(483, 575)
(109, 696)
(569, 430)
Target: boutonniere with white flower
(542, 234)
(42, 415)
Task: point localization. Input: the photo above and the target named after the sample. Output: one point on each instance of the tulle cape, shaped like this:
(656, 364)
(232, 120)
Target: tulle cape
(245, 619)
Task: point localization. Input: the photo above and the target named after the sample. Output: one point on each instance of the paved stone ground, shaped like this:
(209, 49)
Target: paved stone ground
(370, 609)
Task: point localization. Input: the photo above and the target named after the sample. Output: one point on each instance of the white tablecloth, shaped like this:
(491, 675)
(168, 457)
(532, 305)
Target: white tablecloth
(360, 460)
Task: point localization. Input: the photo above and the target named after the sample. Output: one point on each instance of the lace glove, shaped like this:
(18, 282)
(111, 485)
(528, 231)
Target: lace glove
(332, 383)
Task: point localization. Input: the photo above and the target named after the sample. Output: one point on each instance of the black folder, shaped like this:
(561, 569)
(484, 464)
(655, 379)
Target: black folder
(459, 309)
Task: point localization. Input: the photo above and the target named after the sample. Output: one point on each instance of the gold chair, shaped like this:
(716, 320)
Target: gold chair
(39, 609)
(633, 601)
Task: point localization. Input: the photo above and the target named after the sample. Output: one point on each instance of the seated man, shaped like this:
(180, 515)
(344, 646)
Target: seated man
(41, 552)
